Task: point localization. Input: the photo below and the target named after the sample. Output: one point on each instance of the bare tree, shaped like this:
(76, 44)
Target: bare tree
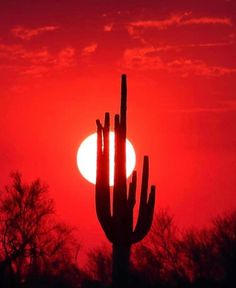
(32, 242)
(203, 257)
(160, 257)
(99, 264)
(224, 240)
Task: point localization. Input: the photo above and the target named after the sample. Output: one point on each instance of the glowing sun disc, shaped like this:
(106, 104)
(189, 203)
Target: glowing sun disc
(87, 157)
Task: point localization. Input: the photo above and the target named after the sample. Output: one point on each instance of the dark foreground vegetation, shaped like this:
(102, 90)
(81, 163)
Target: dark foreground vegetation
(36, 250)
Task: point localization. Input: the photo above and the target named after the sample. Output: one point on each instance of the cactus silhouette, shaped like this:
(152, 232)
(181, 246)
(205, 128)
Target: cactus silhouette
(118, 225)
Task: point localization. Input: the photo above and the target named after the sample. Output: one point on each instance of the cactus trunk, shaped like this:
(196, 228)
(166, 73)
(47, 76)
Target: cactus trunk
(118, 226)
(120, 265)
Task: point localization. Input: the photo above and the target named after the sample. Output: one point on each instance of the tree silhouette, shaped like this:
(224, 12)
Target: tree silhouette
(160, 258)
(32, 242)
(224, 238)
(99, 265)
(192, 258)
(119, 226)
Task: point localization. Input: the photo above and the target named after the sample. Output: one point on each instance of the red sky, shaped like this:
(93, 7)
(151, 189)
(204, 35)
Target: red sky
(60, 67)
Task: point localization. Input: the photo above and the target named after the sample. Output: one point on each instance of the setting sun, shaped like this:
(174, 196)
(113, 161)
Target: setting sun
(87, 155)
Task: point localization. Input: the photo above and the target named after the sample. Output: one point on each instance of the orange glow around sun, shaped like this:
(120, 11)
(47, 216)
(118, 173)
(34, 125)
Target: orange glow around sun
(87, 156)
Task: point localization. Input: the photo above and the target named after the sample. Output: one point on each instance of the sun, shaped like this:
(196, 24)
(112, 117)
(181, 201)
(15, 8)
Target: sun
(87, 157)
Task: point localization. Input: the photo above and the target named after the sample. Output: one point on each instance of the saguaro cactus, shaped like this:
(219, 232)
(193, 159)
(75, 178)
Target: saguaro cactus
(118, 225)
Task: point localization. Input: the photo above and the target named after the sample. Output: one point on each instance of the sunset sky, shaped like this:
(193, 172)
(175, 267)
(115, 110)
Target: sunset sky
(61, 63)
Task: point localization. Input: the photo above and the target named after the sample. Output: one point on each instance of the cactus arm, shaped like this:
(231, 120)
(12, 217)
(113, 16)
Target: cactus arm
(146, 208)
(102, 190)
(116, 196)
(132, 190)
(151, 200)
(144, 187)
(150, 208)
(130, 206)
